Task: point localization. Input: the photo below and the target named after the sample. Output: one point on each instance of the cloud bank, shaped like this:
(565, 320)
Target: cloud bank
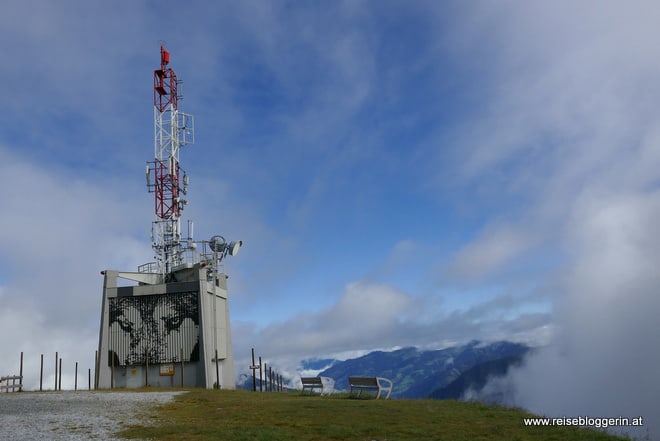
(575, 129)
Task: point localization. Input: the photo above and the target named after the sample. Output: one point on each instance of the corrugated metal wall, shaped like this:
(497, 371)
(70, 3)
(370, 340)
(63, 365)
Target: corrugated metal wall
(158, 326)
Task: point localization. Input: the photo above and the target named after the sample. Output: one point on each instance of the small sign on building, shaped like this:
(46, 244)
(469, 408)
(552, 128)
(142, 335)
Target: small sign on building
(167, 370)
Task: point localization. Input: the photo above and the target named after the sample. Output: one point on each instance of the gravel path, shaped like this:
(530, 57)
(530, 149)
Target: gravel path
(69, 416)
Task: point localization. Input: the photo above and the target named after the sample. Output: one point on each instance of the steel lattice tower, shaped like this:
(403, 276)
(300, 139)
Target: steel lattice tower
(173, 129)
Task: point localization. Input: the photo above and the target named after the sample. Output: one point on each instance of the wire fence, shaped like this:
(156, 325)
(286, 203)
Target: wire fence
(268, 380)
(17, 383)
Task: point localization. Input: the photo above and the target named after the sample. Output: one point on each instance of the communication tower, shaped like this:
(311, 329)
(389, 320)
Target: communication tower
(175, 321)
(173, 130)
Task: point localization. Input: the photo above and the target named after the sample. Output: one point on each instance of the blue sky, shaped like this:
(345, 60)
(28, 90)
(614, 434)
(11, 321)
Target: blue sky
(469, 170)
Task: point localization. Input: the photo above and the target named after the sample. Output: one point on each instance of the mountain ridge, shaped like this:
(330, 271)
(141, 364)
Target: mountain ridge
(418, 373)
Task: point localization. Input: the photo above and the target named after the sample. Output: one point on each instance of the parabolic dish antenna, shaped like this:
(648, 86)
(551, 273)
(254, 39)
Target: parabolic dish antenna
(234, 247)
(218, 244)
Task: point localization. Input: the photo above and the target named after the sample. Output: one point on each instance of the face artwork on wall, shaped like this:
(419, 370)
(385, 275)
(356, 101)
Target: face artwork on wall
(158, 326)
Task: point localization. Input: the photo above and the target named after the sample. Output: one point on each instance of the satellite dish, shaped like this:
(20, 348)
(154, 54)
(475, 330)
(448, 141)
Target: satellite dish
(234, 247)
(218, 244)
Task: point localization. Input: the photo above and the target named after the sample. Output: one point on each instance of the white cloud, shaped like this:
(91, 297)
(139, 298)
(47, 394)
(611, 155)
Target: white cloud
(572, 127)
(491, 251)
(57, 235)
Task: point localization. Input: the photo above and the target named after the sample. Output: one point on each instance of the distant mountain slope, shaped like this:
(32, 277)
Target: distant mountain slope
(475, 378)
(418, 373)
(315, 364)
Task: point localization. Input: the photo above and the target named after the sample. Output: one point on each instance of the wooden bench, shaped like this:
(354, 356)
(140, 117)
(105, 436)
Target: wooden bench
(325, 384)
(378, 384)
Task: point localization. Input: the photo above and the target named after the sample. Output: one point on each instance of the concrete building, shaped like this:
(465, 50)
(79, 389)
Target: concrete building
(165, 334)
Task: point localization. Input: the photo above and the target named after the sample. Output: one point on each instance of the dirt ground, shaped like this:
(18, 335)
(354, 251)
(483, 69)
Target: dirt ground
(81, 415)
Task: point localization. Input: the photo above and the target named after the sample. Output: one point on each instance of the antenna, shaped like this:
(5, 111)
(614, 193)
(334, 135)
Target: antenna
(173, 129)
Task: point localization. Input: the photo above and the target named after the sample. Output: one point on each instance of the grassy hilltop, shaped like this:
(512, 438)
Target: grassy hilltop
(242, 415)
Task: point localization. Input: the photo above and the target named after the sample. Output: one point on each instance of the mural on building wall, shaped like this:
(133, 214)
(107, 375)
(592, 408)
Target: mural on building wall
(155, 325)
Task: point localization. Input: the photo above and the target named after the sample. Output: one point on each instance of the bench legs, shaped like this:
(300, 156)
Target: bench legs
(384, 392)
(360, 389)
(311, 390)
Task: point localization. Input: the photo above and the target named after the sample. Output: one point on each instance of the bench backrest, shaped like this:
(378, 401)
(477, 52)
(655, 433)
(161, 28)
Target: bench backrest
(363, 381)
(311, 381)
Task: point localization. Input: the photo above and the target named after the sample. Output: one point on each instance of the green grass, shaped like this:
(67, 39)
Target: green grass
(241, 415)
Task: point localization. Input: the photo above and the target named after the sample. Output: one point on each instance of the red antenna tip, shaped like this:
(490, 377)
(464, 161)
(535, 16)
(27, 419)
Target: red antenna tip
(164, 56)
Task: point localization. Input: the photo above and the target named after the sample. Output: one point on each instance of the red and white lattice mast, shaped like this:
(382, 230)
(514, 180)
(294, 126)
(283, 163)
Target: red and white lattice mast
(172, 130)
